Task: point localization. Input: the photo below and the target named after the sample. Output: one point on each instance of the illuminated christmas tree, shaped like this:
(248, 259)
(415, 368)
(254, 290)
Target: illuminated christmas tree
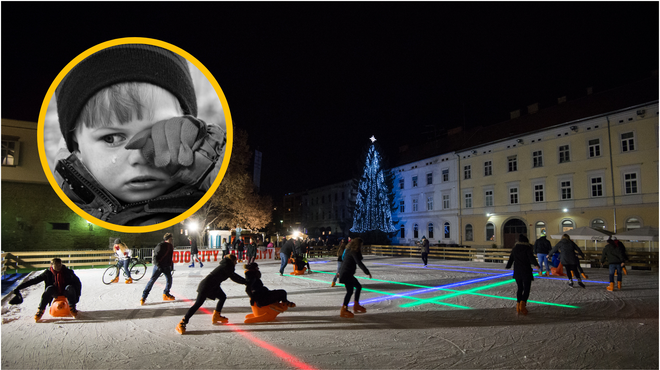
(372, 210)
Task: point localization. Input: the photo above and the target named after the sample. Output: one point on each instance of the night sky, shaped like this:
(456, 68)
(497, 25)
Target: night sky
(311, 82)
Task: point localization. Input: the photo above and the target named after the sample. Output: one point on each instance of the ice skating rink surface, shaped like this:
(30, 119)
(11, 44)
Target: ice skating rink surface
(451, 314)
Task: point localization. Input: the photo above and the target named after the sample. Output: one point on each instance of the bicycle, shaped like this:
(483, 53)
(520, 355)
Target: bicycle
(137, 267)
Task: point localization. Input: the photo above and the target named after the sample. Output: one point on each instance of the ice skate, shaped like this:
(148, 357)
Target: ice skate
(38, 315)
(201, 264)
(74, 311)
(618, 285)
(289, 304)
(142, 300)
(193, 265)
(181, 327)
(610, 287)
(359, 309)
(115, 280)
(518, 308)
(570, 283)
(333, 284)
(523, 308)
(168, 297)
(345, 312)
(218, 319)
(581, 284)
(129, 281)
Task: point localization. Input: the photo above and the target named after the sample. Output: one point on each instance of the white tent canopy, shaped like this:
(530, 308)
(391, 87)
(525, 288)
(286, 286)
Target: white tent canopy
(587, 233)
(648, 233)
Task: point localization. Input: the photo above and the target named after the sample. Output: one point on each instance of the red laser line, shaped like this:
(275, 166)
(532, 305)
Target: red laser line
(283, 355)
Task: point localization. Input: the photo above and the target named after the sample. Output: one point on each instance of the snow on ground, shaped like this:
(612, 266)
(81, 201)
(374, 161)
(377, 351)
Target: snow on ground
(479, 330)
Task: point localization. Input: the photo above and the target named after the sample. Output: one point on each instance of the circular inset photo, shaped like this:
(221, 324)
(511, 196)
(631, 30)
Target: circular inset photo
(135, 135)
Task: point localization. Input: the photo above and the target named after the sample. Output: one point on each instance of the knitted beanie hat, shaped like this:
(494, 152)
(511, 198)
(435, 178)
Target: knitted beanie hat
(117, 64)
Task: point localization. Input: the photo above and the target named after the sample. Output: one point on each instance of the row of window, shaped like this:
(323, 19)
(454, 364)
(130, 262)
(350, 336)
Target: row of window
(322, 215)
(627, 144)
(566, 225)
(315, 201)
(429, 179)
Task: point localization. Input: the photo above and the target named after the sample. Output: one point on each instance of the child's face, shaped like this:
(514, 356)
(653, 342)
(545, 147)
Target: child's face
(126, 173)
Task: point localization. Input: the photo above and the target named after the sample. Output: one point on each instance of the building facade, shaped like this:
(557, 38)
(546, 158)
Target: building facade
(327, 210)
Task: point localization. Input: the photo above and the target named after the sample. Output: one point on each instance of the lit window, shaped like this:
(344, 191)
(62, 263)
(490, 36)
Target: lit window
(10, 149)
(537, 158)
(489, 198)
(414, 179)
(415, 231)
(402, 206)
(633, 223)
(596, 186)
(564, 154)
(429, 178)
(513, 163)
(467, 172)
(540, 226)
(565, 187)
(567, 225)
(445, 202)
(630, 182)
(594, 148)
(488, 168)
(429, 204)
(468, 200)
(415, 209)
(430, 231)
(447, 230)
(490, 232)
(598, 224)
(627, 142)
(513, 195)
(538, 193)
(469, 235)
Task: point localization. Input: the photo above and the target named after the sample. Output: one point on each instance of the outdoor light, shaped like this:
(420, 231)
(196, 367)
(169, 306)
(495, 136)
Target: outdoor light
(565, 209)
(296, 234)
(192, 226)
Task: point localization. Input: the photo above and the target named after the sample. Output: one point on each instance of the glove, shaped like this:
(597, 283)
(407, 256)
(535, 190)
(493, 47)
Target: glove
(184, 146)
(18, 298)
(170, 142)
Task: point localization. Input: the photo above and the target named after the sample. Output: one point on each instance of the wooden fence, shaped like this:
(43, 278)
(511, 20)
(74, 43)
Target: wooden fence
(636, 258)
(37, 260)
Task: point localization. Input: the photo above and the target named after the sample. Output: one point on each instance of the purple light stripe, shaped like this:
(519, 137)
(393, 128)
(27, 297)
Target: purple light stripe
(434, 268)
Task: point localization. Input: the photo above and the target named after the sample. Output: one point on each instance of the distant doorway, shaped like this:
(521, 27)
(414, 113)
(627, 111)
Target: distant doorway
(511, 230)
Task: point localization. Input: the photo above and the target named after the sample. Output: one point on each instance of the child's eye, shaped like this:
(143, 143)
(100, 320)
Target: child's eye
(113, 139)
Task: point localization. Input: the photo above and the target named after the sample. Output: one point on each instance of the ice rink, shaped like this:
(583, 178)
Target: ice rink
(451, 314)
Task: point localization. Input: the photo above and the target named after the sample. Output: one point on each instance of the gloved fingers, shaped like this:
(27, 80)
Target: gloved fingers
(161, 152)
(173, 135)
(189, 131)
(138, 140)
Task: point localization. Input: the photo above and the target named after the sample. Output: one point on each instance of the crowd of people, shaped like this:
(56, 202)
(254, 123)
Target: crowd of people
(524, 258)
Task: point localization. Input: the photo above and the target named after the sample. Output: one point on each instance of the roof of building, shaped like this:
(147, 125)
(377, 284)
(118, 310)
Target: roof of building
(596, 104)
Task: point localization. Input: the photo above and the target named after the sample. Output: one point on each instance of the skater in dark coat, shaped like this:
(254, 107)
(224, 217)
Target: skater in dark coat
(285, 254)
(58, 280)
(425, 250)
(567, 255)
(616, 257)
(251, 251)
(351, 259)
(522, 258)
(209, 288)
(258, 293)
(194, 252)
(541, 249)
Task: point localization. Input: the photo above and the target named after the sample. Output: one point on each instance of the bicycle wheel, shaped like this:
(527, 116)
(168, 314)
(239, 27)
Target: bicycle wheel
(110, 274)
(138, 269)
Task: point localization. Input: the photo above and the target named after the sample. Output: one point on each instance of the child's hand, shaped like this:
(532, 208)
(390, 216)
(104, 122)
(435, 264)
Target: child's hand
(171, 141)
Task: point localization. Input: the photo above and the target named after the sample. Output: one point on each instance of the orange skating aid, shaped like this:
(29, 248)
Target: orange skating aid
(266, 313)
(60, 307)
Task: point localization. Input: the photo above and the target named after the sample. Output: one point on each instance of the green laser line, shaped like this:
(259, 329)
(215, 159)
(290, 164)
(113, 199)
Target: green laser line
(456, 292)
(388, 293)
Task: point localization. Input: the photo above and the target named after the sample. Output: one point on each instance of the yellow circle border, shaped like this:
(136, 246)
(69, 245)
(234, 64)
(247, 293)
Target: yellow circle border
(42, 149)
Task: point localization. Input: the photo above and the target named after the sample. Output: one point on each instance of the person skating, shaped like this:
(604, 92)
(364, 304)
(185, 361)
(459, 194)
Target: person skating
(194, 252)
(163, 264)
(424, 245)
(616, 257)
(340, 252)
(285, 253)
(58, 280)
(209, 288)
(522, 257)
(258, 293)
(124, 255)
(351, 259)
(567, 254)
(251, 251)
(541, 248)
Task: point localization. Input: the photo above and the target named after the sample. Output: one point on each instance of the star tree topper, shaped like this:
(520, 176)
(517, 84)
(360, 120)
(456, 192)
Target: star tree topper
(372, 138)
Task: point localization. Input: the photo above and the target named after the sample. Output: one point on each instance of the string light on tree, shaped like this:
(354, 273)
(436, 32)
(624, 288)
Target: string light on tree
(372, 208)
